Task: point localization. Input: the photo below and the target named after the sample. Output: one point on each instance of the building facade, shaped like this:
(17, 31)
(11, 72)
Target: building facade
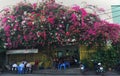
(104, 9)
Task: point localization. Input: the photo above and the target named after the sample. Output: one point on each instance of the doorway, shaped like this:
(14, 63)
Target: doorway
(70, 54)
(2, 58)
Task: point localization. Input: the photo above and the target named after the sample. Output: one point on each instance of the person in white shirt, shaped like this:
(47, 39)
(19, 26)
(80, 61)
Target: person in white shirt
(28, 65)
(14, 67)
(28, 68)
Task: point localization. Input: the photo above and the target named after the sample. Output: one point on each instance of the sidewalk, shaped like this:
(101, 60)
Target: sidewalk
(70, 71)
(60, 72)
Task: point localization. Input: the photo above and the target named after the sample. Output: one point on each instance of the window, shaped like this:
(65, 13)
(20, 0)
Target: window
(116, 13)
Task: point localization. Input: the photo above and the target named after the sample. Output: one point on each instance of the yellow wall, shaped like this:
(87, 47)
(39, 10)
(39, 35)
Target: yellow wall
(84, 52)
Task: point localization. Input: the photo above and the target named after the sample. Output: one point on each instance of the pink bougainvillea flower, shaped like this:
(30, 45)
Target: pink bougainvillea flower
(8, 40)
(44, 35)
(7, 34)
(7, 9)
(76, 8)
(15, 27)
(7, 28)
(42, 12)
(38, 34)
(34, 5)
(92, 32)
(84, 13)
(29, 23)
(67, 33)
(58, 38)
(73, 17)
(42, 18)
(33, 13)
(51, 20)
(25, 38)
(18, 37)
(1, 16)
(12, 17)
(4, 20)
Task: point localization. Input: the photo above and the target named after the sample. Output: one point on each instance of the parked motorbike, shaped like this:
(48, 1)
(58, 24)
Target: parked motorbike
(117, 67)
(99, 69)
(82, 68)
(1, 69)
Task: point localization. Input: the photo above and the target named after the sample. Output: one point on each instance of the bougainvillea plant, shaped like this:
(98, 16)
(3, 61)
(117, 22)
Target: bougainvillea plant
(40, 24)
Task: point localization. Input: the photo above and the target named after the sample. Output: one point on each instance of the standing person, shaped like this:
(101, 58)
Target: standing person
(21, 65)
(55, 62)
(21, 68)
(25, 63)
(36, 64)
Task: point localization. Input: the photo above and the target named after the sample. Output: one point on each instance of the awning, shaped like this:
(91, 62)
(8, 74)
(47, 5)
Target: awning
(22, 51)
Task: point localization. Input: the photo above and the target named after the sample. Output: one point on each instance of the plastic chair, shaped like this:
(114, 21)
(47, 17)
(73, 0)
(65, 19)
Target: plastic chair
(67, 64)
(62, 65)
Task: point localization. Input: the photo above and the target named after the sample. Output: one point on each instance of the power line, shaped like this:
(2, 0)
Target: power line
(109, 12)
(94, 7)
(112, 12)
(112, 17)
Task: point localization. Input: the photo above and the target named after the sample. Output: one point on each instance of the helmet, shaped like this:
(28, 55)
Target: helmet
(99, 63)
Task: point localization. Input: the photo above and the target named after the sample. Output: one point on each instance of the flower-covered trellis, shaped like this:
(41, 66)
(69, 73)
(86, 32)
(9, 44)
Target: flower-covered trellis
(30, 25)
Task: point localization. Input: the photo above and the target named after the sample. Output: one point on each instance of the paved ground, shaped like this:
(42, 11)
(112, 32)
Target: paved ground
(49, 75)
(67, 72)
(43, 75)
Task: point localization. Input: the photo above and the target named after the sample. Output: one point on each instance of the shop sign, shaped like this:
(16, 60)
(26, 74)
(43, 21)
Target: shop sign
(23, 51)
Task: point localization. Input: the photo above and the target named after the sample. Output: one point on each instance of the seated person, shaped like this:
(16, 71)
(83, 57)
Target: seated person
(14, 67)
(28, 68)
